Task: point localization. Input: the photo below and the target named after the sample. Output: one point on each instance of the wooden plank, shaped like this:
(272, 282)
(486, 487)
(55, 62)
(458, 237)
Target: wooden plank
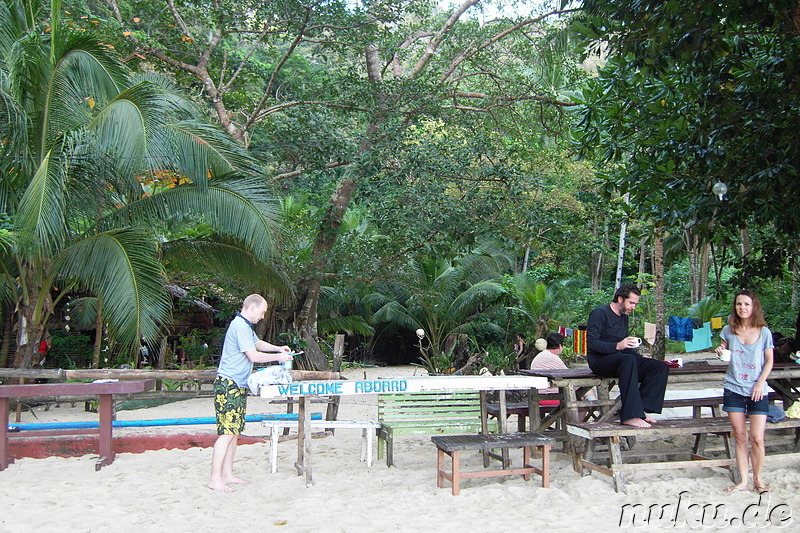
(669, 465)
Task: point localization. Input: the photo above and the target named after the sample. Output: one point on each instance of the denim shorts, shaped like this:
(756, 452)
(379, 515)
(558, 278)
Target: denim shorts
(736, 403)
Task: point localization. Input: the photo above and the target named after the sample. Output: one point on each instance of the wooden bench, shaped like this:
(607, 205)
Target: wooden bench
(426, 413)
(452, 445)
(612, 432)
(700, 427)
(105, 392)
(368, 429)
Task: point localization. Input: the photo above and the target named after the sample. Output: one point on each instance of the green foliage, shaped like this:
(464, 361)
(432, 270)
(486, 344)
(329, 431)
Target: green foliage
(707, 308)
(497, 360)
(103, 163)
(686, 92)
(69, 350)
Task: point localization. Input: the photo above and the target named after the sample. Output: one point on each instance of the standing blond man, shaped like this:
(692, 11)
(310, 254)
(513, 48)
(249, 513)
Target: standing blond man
(241, 349)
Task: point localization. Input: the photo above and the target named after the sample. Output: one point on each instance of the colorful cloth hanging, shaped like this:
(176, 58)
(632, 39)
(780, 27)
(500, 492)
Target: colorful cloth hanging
(579, 342)
(681, 329)
(701, 339)
(650, 332)
(716, 322)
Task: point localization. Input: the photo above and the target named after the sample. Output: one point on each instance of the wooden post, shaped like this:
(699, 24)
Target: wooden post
(332, 412)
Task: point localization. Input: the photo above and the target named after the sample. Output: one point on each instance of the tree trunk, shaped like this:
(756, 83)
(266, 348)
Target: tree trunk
(623, 231)
(32, 314)
(8, 335)
(98, 334)
(597, 260)
(795, 281)
(659, 347)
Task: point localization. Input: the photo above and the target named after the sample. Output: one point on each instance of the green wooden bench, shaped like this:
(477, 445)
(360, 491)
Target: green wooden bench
(428, 413)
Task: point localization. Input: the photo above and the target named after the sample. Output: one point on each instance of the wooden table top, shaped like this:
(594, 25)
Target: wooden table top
(74, 389)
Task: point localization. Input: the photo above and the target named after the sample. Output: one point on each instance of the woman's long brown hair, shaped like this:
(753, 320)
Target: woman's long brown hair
(756, 317)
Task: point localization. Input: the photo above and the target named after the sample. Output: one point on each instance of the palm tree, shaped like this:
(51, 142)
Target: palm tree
(444, 298)
(80, 135)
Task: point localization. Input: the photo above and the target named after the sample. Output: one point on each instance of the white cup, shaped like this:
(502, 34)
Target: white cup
(725, 355)
(637, 342)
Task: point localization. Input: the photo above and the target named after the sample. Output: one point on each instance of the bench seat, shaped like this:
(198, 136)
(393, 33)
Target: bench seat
(428, 413)
(664, 429)
(368, 429)
(452, 445)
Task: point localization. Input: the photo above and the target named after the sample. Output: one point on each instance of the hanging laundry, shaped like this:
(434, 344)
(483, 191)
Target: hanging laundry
(562, 330)
(579, 342)
(680, 329)
(701, 339)
(650, 332)
(569, 332)
(716, 322)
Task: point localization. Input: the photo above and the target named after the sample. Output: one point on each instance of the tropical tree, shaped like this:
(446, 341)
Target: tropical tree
(81, 135)
(442, 297)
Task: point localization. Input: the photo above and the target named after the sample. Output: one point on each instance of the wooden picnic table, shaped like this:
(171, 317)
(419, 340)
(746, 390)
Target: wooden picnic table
(105, 392)
(573, 383)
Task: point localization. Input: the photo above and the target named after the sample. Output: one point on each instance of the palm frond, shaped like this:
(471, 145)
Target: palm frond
(353, 325)
(40, 218)
(483, 292)
(201, 149)
(122, 267)
(241, 209)
(228, 260)
(83, 312)
(395, 313)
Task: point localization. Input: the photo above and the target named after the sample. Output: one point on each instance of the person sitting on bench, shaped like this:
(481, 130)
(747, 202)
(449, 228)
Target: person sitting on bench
(642, 381)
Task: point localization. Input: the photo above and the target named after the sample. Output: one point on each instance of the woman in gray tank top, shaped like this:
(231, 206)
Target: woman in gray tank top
(750, 343)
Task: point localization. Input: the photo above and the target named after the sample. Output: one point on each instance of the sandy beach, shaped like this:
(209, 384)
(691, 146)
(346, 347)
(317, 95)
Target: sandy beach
(165, 490)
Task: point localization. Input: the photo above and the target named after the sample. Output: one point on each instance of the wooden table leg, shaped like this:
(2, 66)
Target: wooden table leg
(484, 426)
(303, 463)
(617, 464)
(456, 472)
(545, 466)
(4, 451)
(439, 468)
(504, 427)
(106, 411)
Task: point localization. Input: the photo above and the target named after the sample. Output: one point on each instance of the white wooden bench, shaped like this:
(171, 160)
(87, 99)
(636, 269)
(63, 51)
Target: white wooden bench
(368, 432)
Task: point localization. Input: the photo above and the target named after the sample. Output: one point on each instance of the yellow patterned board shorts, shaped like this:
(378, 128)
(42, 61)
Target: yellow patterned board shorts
(230, 404)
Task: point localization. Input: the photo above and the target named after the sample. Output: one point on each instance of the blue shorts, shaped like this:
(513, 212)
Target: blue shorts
(736, 403)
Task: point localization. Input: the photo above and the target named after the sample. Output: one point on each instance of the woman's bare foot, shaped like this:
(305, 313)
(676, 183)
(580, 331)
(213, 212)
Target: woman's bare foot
(760, 487)
(236, 480)
(636, 422)
(219, 487)
(737, 488)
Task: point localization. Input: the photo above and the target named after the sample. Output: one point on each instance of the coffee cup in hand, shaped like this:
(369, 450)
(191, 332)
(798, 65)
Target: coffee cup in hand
(637, 342)
(725, 355)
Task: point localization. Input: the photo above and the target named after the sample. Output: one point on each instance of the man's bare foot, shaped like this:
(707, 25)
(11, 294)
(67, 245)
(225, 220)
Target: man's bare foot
(219, 487)
(737, 488)
(636, 422)
(236, 480)
(650, 420)
(760, 487)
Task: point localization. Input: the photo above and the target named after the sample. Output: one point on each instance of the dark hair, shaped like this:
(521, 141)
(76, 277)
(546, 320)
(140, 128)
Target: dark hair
(554, 340)
(756, 318)
(625, 291)
(521, 335)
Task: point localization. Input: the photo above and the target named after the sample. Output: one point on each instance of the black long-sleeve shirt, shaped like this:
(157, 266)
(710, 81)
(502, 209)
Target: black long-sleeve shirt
(604, 330)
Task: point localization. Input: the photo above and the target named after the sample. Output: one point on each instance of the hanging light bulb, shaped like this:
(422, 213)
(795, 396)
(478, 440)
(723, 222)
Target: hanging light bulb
(719, 189)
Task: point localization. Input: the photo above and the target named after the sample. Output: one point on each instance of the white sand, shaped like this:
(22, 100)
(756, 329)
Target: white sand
(166, 490)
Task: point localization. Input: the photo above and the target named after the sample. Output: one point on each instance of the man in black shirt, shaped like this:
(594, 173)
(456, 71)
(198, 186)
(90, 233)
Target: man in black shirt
(642, 381)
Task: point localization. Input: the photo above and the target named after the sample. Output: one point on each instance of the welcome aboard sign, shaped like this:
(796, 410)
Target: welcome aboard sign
(400, 385)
